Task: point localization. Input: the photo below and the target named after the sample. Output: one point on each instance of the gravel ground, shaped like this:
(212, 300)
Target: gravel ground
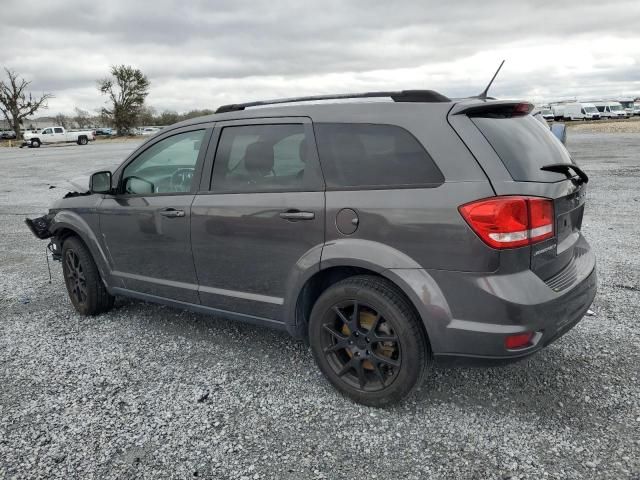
(148, 391)
(631, 125)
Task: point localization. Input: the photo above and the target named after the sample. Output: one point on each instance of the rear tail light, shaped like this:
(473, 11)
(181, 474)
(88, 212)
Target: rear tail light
(510, 221)
(520, 340)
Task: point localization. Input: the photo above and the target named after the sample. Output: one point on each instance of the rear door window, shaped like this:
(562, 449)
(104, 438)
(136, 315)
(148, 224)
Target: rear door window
(524, 145)
(265, 158)
(373, 156)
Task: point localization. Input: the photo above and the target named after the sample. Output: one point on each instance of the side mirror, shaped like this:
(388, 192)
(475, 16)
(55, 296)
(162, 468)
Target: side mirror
(100, 182)
(560, 131)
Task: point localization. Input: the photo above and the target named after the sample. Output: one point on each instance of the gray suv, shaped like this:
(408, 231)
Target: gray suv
(387, 234)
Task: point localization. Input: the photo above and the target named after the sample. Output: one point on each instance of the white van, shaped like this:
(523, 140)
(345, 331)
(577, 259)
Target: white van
(610, 109)
(558, 110)
(581, 111)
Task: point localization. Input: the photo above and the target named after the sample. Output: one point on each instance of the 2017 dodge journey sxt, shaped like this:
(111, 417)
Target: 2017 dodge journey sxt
(388, 234)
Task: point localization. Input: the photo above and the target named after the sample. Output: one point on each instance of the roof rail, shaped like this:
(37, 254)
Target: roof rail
(399, 96)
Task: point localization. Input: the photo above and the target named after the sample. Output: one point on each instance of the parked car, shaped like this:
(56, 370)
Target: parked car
(107, 132)
(388, 238)
(580, 111)
(50, 135)
(546, 112)
(610, 110)
(7, 135)
(147, 131)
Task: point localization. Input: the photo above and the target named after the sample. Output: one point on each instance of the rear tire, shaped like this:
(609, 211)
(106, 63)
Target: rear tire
(368, 341)
(86, 291)
(82, 141)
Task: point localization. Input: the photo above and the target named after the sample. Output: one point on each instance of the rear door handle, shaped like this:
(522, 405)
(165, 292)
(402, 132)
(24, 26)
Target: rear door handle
(297, 215)
(172, 213)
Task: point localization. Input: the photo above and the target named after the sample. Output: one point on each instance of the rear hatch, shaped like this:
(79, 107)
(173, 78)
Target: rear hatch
(539, 165)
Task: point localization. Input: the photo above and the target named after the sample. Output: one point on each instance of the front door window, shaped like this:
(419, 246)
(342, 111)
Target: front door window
(166, 167)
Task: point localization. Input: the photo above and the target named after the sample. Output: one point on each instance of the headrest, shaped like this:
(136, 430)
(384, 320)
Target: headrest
(303, 150)
(258, 158)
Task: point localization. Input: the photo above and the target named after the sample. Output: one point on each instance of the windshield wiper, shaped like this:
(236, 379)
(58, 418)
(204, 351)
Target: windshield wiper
(566, 169)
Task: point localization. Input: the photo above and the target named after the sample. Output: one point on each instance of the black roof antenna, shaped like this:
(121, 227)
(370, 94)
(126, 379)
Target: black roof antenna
(483, 95)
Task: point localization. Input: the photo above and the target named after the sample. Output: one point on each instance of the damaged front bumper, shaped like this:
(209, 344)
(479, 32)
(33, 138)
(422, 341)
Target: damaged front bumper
(40, 226)
(40, 229)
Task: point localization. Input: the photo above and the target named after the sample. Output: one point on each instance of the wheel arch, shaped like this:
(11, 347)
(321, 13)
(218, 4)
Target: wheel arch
(416, 285)
(67, 223)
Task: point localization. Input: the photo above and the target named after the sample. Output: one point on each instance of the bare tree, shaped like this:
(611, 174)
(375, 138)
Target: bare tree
(147, 116)
(102, 119)
(82, 118)
(126, 88)
(15, 103)
(62, 120)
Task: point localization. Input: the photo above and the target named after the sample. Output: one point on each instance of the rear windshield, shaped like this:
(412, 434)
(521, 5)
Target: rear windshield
(524, 145)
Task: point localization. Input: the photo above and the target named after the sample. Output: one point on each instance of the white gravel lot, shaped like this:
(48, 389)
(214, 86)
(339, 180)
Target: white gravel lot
(151, 392)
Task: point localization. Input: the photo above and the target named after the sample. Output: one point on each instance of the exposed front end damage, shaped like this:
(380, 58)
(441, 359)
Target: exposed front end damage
(40, 229)
(40, 226)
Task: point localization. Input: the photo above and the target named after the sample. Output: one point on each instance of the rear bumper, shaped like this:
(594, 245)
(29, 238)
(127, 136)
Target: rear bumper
(482, 310)
(558, 324)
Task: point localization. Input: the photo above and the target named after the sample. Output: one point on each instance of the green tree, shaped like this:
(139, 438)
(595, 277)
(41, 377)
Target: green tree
(127, 87)
(197, 113)
(15, 104)
(168, 118)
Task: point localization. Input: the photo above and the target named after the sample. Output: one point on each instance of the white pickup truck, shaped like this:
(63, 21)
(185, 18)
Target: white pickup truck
(57, 135)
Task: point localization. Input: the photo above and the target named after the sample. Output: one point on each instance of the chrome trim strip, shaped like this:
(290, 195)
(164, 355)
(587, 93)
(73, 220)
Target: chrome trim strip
(255, 297)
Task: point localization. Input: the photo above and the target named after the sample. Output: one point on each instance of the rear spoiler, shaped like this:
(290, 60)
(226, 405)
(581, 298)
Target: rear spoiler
(503, 108)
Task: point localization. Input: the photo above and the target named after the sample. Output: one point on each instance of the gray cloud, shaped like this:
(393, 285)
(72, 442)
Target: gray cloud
(198, 53)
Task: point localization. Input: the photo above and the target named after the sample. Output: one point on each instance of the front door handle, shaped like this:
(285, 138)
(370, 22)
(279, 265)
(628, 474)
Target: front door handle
(172, 213)
(297, 215)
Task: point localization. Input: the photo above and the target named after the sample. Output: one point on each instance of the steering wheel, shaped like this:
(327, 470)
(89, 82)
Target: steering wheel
(180, 181)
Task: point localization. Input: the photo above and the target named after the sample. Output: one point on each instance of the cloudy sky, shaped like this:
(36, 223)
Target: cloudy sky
(200, 54)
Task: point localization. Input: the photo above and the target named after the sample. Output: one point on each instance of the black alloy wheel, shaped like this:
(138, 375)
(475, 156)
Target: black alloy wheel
(361, 346)
(85, 287)
(75, 278)
(368, 340)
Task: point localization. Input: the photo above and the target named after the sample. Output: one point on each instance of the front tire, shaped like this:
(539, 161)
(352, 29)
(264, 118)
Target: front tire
(35, 143)
(368, 341)
(84, 285)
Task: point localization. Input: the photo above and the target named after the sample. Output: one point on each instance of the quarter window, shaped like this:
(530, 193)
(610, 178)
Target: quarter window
(373, 156)
(166, 167)
(256, 158)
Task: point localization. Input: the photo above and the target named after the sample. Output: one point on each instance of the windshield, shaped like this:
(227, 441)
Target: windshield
(546, 111)
(615, 108)
(524, 145)
(591, 109)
